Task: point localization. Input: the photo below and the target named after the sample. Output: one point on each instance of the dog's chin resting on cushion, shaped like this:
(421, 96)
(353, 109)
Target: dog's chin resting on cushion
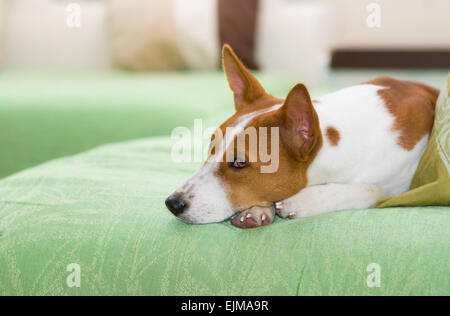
(342, 151)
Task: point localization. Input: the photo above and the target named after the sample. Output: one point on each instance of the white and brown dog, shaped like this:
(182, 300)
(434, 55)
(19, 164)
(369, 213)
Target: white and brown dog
(343, 151)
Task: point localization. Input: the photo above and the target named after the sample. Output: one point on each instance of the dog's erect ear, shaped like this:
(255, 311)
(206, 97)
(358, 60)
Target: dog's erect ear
(299, 131)
(244, 85)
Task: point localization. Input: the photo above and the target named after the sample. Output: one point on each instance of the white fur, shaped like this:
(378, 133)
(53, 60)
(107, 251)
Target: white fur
(320, 199)
(241, 124)
(368, 162)
(368, 150)
(209, 202)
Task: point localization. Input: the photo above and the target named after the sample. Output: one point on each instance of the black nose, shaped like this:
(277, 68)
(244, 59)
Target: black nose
(176, 204)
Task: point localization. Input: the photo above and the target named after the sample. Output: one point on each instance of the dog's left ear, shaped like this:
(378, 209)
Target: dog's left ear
(244, 85)
(299, 131)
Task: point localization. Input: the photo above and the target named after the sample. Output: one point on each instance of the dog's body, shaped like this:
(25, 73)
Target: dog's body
(363, 158)
(342, 151)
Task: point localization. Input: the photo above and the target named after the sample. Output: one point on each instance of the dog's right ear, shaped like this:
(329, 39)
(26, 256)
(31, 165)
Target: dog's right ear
(300, 131)
(244, 85)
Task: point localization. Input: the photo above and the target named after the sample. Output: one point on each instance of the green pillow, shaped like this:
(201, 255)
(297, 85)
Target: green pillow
(431, 182)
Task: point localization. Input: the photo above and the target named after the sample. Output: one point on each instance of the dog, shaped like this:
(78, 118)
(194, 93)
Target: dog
(342, 151)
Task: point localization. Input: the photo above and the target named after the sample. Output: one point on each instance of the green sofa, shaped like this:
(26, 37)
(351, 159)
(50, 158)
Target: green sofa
(103, 212)
(49, 115)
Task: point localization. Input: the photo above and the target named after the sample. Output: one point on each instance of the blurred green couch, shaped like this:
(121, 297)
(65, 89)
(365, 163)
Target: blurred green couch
(104, 211)
(47, 115)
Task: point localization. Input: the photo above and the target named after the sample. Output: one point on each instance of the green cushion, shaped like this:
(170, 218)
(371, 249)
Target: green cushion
(104, 210)
(431, 182)
(47, 115)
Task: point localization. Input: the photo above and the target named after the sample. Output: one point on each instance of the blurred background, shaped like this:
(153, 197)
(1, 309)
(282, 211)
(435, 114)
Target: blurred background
(78, 74)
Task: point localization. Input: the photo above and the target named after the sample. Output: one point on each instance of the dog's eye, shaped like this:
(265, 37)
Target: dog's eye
(239, 164)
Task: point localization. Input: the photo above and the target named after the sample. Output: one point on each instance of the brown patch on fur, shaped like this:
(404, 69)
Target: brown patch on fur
(245, 86)
(249, 187)
(333, 135)
(262, 103)
(412, 104)
(298, 146)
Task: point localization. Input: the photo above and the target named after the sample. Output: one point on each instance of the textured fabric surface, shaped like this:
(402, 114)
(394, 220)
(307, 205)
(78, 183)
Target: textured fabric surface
(49, 115)
(431, 183)
(104, 210)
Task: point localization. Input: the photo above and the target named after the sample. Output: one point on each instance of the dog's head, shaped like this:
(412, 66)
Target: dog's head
(257, 157)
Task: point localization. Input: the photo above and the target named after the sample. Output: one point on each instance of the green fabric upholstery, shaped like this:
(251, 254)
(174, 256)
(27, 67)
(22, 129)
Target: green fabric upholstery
(104, 210)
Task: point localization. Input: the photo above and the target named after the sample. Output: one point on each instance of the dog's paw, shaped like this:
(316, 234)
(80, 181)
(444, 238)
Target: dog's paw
(254, 217)
(283, 210)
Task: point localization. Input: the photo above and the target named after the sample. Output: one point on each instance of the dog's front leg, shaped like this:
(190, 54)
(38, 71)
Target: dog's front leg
(326, 198)
(254, 217)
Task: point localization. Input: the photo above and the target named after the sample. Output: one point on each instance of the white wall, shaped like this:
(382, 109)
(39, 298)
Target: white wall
(295, 38)
(36, 35)
(415, 24)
